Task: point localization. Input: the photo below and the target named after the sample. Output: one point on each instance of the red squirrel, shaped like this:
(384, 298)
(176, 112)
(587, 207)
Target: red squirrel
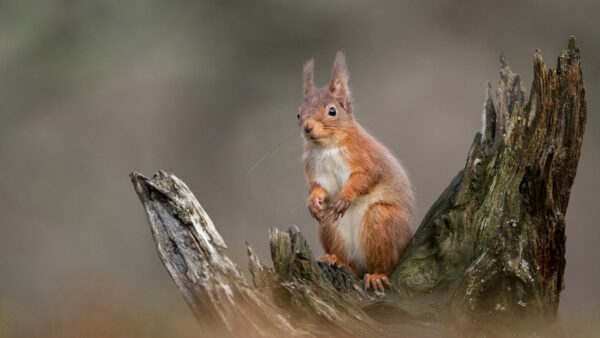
(359, 192)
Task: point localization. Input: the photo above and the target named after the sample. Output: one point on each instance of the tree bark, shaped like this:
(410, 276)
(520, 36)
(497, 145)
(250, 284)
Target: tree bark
(487, 260)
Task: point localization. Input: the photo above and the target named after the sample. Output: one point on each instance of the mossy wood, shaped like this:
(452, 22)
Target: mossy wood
(487, 259)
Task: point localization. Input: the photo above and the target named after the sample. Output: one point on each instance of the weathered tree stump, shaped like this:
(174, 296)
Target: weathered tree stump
(487, 260)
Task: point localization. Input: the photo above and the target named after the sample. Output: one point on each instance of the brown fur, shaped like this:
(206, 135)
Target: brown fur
(373, 172)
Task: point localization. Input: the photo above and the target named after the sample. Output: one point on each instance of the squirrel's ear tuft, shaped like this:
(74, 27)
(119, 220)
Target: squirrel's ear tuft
(308, 76)
(339, 81)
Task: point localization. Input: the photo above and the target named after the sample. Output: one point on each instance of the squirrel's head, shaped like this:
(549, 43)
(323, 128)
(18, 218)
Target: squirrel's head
(326, 112)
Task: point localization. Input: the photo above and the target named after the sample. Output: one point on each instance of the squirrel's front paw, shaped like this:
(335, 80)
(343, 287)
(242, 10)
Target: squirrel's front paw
(316, 206)
(338, 208)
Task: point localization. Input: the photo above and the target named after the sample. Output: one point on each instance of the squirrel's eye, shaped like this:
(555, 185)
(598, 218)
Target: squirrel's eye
(298, 116)
(332, 111)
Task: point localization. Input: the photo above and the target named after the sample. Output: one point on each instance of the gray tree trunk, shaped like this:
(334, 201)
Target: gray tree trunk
(487, 260)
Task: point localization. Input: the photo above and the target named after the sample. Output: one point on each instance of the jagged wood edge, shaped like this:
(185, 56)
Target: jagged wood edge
(192, 251)
(490, 252)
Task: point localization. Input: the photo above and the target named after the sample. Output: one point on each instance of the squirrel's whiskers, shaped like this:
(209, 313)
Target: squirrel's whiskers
(271, 153)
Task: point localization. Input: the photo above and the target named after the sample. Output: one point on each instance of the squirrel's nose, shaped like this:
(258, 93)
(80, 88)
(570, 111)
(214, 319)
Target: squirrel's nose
(308, 128)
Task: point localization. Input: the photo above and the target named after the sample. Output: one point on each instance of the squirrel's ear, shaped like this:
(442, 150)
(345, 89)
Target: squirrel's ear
(339, 81)
(308, 76)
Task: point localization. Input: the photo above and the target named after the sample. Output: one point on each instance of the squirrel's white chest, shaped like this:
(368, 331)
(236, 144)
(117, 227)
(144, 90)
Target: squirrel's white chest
(331, 173)
(331, 169)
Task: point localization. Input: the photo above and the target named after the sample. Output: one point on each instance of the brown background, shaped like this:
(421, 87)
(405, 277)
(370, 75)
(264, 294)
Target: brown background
(90, 91)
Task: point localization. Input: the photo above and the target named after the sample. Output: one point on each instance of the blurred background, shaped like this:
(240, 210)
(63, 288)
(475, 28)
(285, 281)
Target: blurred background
(209, 90)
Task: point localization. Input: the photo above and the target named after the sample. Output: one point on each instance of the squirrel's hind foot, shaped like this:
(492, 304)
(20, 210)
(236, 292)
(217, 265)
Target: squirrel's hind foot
(332, 260)
(376, 281)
